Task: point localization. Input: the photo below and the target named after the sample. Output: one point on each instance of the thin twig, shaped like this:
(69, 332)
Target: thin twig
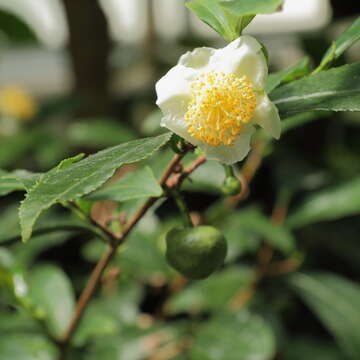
(176, 180)
(87, 294)
(96, 274)
(174, 183)
(98, 271)
(107, 234)
(283, 267)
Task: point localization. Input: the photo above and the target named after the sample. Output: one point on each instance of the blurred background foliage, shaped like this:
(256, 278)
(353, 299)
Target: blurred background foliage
(79, 76)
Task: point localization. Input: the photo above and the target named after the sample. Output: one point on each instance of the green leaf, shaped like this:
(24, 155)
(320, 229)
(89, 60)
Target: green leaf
(14, 288)
(81, 178)
(336, 301)
(6, 259)
(291, 73)
(311, 348)
(213, 293)
(27, 178)
(252, 7)
(240, 241)
(95, 323)
(252, 220)
(110, 314)
(211, 13)
(134, 185)
(16, 321)
(159, 163)
(16, 29)
(51, 289)
(12, 279)
(8, 186)
(328, 204)
(337, 89)
(131, 256)
(337, 48)
(24, 346)
(134, 263)
(132, 340)
(229, 18)
(21, 180)
(9, 222)
(240, 336)
(52, 229)
(66, 162)
(99, 133)
(130, 345)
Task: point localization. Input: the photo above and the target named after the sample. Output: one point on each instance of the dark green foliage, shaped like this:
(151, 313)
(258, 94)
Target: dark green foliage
(284, 285)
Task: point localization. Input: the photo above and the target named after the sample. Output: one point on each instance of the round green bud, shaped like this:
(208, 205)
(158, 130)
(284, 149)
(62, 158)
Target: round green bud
(231, 186)
(196, 252)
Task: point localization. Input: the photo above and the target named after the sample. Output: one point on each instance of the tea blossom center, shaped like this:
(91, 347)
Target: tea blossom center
(221, 104)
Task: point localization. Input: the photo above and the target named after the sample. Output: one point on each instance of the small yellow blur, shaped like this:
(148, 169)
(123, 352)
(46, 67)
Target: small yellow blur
(16, 103)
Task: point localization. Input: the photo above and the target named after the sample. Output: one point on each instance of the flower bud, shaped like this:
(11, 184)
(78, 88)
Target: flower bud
(231, 186)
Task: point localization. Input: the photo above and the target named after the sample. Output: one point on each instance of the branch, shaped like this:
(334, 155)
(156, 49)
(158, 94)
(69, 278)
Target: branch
(177, 179)
(283, 267)
(104, 232)
(96, 274)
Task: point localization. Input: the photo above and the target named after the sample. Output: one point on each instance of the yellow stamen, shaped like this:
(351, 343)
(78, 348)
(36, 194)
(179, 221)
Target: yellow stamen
(220, 106)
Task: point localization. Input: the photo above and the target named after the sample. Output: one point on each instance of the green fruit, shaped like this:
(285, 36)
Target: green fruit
(196, 252)
(231, 186)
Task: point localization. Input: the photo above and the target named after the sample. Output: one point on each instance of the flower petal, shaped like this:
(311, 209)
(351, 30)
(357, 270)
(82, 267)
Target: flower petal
(177, 125)
(242, 57)
(173, 89)
(175, 85)
(230, 154)
(267, 116)
(198, 58)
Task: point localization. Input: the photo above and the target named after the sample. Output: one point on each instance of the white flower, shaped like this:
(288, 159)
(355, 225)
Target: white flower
(214, 97)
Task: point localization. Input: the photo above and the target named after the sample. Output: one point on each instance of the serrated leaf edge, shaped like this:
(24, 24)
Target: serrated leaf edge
(27, 234)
